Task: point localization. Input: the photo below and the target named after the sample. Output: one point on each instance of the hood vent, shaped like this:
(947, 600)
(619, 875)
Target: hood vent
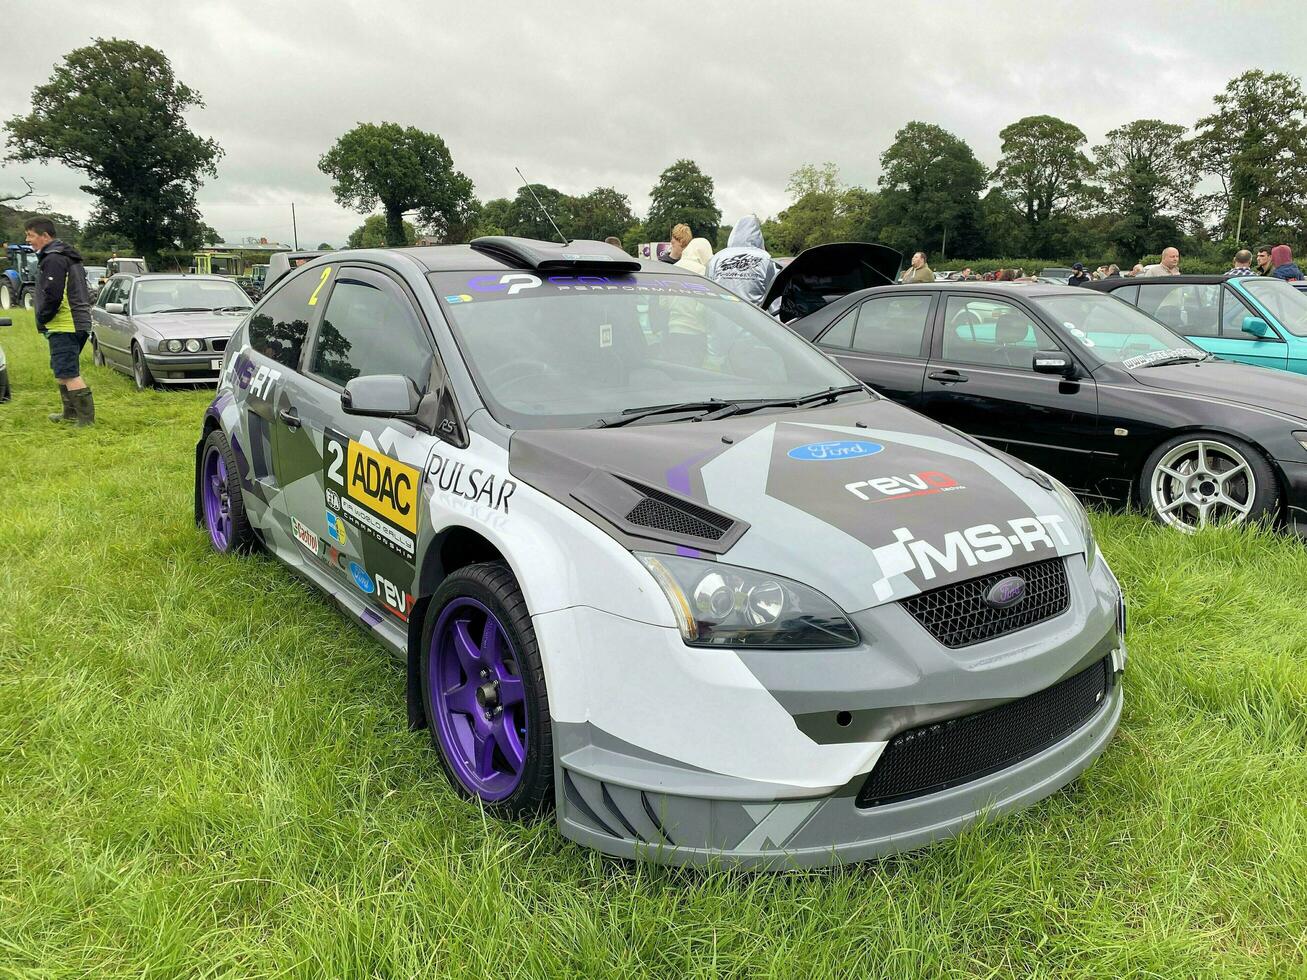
(643, 511)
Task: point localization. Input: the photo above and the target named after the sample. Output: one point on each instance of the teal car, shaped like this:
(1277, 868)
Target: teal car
(1253, 319)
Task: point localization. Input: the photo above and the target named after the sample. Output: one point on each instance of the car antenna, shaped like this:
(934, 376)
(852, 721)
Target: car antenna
(527, 185)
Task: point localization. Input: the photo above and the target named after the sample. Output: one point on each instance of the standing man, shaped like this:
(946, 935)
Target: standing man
(744, 266)
(63, 314)
(1282, 264)
(1079, 277)
(1242, 264)
(918, 271)
(1169, 266)
(1264, 265)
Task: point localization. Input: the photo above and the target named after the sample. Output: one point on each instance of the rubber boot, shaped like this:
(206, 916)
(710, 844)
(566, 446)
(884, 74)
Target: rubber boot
(69, 415)
(83, 406)
(5, 393)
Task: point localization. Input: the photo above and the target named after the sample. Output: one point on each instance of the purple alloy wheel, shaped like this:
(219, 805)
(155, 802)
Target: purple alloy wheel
(217, 503)
(478, 699)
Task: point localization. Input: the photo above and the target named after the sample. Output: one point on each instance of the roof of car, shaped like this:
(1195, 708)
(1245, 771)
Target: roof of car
(1035, 289)
(1110, 284)
(143, 276)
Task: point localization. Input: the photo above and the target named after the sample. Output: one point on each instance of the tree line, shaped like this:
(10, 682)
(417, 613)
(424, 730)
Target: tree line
(114, 111)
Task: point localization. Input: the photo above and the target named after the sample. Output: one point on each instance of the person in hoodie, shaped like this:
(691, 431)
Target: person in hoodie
(1282, 264)
(63, 314)
(744, 266)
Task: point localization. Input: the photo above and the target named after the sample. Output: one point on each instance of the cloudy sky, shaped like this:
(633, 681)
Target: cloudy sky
(599, 93)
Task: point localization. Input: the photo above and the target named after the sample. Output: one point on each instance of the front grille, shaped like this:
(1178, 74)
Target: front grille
(957, 615)
(949, 753)
(220, 344)
(664, 512)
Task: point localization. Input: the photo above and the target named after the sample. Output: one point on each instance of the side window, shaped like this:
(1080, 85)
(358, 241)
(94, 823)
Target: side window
(106, 294)
(1190, 309)
(278, 327)
(369, 328)
(892, 325)
(1128, 293)
(985, 331)
(1232, 315)
(840, 335)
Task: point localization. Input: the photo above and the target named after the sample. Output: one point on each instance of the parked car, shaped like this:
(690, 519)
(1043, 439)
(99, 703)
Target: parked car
(712, 607)
(1254, 319)
(1056, 273)
(95, 278)
(166, 329)
(1087, 388)
(125, 266)
(280, 263)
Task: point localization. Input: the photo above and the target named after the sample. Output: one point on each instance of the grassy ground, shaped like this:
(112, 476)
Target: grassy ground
(204, 771)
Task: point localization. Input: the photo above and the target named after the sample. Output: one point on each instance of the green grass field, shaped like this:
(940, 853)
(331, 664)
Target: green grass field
(205, 772)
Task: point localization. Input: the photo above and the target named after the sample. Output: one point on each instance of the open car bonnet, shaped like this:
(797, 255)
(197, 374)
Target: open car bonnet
(865, 515)
(820, 275)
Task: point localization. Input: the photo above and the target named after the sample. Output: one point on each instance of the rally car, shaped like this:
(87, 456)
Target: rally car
(710, 601)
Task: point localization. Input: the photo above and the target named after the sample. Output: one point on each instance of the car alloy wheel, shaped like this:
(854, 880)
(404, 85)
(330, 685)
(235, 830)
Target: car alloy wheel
(478, 700)
(141, 371)
(217, 502)
(1200, 482)
(97, 355)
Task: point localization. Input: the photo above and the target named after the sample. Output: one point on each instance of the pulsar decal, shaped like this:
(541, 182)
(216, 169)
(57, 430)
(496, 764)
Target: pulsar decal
(475, 484)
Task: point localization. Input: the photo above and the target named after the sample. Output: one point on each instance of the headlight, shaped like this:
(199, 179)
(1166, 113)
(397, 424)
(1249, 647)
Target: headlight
(172, 345)
(722, 605)
(1082, 520)
(194, 346)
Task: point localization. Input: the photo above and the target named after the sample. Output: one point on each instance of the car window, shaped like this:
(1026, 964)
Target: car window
(1188, 308)
(986, 331)
(1286, 304)
(841, 335)
(107, 293)
(892, 325)
(187, 295)
(1115, 333)
(369, 328)
(278, 326)
(1128, 293)
(1233, 312)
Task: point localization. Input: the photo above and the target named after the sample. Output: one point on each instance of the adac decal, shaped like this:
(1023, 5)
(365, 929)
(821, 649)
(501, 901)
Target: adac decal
(377, 493)
(361, 578)
(922, 484)
(972, 546)
(336, 527)
(477, 485)
(304, 536)
(839, 449)
(393, 598)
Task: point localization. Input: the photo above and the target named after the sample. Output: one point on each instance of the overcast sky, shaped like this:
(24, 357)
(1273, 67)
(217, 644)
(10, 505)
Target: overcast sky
(600, 93)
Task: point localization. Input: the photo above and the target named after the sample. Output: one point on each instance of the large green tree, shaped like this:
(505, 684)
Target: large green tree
(531, 209)
(930, 188)
(1044, 172)
(684, 193)
(1255, 146)
(1148, 184)
(598, 214)
(374, 233)
(115, 111)
(400, 169)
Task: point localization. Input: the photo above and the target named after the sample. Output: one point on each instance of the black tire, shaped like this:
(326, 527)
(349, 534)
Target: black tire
(492, 584)
(241, 536)
(140, 370)
(1222, 452)
(97, 355)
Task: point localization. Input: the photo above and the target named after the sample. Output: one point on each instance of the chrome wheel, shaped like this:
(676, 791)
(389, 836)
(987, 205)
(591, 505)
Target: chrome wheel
(1202, 482)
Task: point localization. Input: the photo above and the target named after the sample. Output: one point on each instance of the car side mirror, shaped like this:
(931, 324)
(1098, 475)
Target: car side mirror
(114, 308)
(381, 396)
(1053, 362)
(1256, 326)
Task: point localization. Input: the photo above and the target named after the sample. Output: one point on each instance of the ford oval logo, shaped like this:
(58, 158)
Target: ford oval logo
(1006, 592)
(843, 449)
(361, 578)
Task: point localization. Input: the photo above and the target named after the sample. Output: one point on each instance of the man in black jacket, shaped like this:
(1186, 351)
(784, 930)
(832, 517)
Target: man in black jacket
(63, 314)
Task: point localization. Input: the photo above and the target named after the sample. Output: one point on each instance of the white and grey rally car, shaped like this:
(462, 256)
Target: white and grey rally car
(655, 562)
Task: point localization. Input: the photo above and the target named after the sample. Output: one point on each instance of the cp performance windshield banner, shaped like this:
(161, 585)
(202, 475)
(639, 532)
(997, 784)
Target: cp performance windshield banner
(456, 289)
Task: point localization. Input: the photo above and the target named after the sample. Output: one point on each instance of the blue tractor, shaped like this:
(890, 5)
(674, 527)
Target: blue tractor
(19, 280)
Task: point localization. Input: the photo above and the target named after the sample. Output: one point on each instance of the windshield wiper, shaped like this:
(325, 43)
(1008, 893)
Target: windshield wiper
(225, 309)
(1179, 359)
(184, 309)
(630, 415)
(816, 398)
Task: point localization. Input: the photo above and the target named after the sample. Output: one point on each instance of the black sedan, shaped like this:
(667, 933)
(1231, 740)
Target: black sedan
(1088, 388)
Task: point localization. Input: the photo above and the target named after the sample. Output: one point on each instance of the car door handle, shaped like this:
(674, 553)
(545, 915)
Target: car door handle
(947, 377)
(290, 417)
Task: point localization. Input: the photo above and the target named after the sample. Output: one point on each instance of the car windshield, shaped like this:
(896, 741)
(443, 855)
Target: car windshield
(568, 350)
(190, 295)
(1282, 301)
(1115, 332)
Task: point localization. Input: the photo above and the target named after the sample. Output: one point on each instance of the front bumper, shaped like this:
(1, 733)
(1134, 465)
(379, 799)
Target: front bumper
(202, 368)
(684, 756)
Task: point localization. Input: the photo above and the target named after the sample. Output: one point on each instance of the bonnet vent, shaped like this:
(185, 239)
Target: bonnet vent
(643, 511)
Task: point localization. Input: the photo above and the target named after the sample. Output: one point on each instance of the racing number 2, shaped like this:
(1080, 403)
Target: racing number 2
(326, 274)
(337, 460)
